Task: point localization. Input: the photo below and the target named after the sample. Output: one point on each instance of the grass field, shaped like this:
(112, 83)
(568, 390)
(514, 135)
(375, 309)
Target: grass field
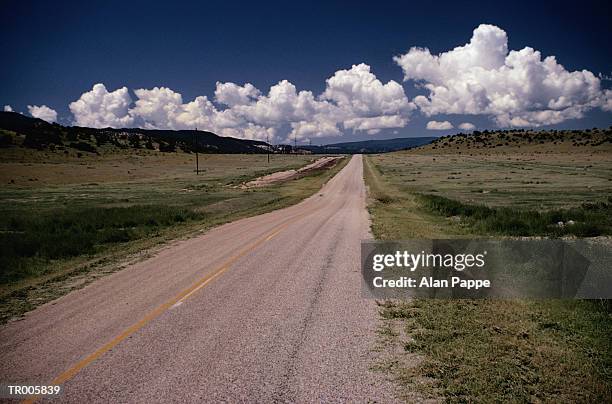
(536, 182)
(482, 350)
(66, 220)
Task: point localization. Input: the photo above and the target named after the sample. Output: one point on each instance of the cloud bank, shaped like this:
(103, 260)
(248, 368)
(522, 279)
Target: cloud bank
(483, 77)
(353, 99)
(515, 88)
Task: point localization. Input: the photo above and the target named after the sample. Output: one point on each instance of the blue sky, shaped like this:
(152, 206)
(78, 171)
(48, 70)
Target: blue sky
(55, 52)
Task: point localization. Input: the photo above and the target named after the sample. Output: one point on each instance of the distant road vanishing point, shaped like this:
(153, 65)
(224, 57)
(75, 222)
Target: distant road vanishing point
(264, 309)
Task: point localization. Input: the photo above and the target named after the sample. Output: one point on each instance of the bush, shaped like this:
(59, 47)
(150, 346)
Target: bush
(6, 140)
(167, 147)
(41, 138)
(83, 146)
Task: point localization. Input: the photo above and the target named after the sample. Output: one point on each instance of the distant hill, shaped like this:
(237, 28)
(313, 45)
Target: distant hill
(539, 141)
(20, 130)
(371, 146)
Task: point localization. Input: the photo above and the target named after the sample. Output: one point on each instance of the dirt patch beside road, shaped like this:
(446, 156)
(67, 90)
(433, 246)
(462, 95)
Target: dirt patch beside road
(322, 163)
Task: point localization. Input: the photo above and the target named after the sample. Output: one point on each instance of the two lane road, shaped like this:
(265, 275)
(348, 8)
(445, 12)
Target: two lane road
(263, 309)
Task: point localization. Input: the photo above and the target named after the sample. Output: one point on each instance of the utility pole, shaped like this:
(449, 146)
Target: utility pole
(295, 144)
(195, 146)
(268, 148)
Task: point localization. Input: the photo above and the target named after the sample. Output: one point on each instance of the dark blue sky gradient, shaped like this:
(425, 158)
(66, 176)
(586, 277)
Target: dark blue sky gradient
(54, 51)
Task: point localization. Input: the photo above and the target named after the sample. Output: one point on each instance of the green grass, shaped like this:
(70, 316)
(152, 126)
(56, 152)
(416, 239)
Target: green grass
(586, 220)
(513, 178)
(492, 350)
(507, 351)
(397, 214)
(64, 231)
(28, 242)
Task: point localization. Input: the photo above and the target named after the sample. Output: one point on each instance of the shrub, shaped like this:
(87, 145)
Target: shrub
(83, 146)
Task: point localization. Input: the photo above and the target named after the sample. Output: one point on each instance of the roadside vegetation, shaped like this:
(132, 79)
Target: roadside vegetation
(31, 241)
(495, 350)
(586, 220)
(501, 351)
(67, 220)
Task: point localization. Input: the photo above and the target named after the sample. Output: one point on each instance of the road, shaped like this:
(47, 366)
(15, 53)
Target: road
(264, 309)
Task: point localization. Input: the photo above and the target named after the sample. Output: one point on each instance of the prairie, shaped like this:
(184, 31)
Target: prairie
(66, 220)
(492, 350)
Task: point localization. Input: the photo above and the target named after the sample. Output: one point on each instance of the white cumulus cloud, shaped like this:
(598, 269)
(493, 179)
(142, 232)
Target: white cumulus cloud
(376, 122)
(250, 131)
(43, 112)
(8, 108)
(314, 128)
(359, 101)
(467, 126)
(482, 77)
(607, 106)
(282, 104)
(231, 94)
(516, 88)
(100, 108)
(353, 99)
(163, 108)
(436, 125)
(359, 91)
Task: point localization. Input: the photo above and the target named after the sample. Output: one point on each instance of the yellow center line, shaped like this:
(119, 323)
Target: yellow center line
(179, 298)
